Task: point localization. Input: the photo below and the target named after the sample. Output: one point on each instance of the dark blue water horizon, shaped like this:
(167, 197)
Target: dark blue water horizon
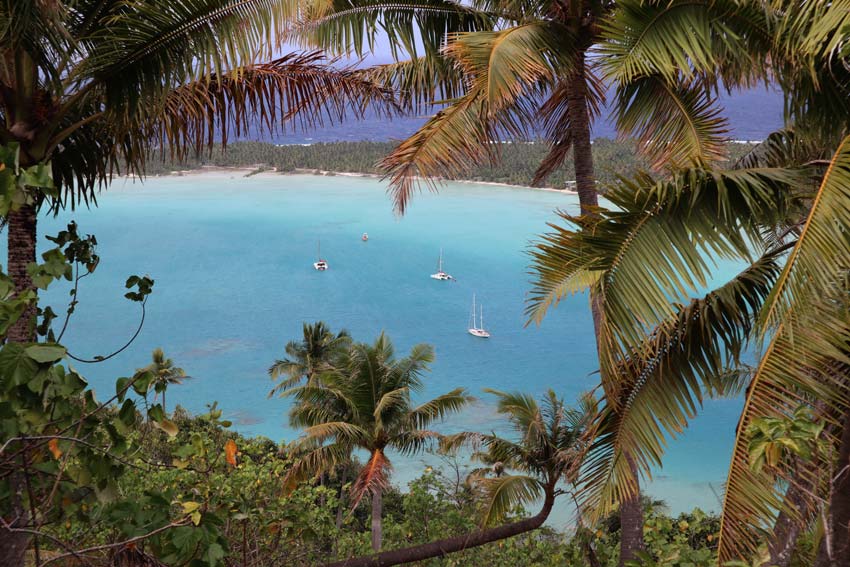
(751, 115)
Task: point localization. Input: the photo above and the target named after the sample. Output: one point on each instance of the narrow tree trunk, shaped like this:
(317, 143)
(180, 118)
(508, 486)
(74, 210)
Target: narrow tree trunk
(14, 545)
(631, 514)
(22, 241)
(839, 507)
(377, 510)
(339, 505)
(443, 547)
(580, 134)
(631, 526)
(790, 521)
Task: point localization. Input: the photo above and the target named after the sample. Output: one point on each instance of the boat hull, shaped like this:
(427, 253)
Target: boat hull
(480, 333)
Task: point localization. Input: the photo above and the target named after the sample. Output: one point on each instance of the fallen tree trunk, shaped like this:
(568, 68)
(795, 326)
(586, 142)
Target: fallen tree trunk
(449, 545)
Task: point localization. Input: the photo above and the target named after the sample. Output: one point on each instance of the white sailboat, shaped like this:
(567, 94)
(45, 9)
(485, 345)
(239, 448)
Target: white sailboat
(441, 275)
(476, 328)
(320, 265)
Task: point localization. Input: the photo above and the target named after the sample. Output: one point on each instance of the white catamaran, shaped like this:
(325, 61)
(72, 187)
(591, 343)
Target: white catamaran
(441, 275)
(476, 328)
(321, 265)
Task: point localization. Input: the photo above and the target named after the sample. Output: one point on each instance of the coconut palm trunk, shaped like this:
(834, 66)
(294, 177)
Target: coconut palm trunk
(577, 94)
(788, 528)
(631, 514)
(836, 551)
(21, 227)
(377, 511)
(21, 243)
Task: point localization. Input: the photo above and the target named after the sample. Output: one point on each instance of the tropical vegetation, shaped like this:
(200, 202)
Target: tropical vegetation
(363, 400)
(90, 88)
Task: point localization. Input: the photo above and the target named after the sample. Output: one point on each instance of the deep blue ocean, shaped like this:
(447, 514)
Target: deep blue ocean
(232, 259)
(751, 115)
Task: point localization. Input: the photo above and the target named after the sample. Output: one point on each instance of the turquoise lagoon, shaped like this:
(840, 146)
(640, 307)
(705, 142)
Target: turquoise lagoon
(232, 259)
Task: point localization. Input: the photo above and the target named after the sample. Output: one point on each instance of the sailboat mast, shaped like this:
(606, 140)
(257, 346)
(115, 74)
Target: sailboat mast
(481, 321)
(473, 313)
(440, 262)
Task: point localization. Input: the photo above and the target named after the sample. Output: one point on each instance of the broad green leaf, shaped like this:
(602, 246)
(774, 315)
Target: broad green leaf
(46, 353)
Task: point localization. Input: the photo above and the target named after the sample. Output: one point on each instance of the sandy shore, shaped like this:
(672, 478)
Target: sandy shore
(256, 171)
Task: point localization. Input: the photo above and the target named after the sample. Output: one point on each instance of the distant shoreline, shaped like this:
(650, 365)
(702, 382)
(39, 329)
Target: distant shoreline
(264, 171)
(517, 165)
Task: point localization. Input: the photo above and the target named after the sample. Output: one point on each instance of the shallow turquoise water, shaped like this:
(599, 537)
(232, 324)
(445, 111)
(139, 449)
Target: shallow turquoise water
(232, 258)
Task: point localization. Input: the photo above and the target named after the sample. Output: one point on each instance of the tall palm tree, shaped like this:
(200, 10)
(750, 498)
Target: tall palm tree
(90, 86)
(308, 358)
(364, 402)
(542, 456)
(654, 249)
(508, 70)
(164, 372)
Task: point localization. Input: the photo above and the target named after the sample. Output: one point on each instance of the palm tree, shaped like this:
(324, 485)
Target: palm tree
(547, 449)
(365, 402)
(91, 86)
(513, 69)
(783, 199)
(164, 372)
(653, 249)
(308, 358)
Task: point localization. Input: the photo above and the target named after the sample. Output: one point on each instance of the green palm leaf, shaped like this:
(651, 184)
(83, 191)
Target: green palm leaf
(302, 89)
(823, 248)
(408, 25)
(675, 123)
(682, 38)
(440, 407)
(506, 493)
(662, 386)
(806, 360)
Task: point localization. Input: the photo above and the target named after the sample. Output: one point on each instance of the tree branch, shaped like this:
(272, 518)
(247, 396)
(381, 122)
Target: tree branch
(443, 547)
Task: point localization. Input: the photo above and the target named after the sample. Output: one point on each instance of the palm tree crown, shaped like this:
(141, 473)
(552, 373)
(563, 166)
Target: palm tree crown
(306, 359)
(550, 444)
(365, 402)
(164, 373)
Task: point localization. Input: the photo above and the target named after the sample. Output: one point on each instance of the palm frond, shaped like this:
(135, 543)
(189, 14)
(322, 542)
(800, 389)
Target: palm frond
(822, 251)
(412, 441)
(555, 118)
(682, 38)
(374, 477)
(507, 69)
(784, 148)
(806, 360)
(439, 408)
(419, 82)
(452, 141)
(314, 462)
(675, 123)
(342, 433)
(304, 89)
(663, 383)
(522, 410)
(148, 50)
(512, 62)
(408, 25)
(505, 493)
(653, 251)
